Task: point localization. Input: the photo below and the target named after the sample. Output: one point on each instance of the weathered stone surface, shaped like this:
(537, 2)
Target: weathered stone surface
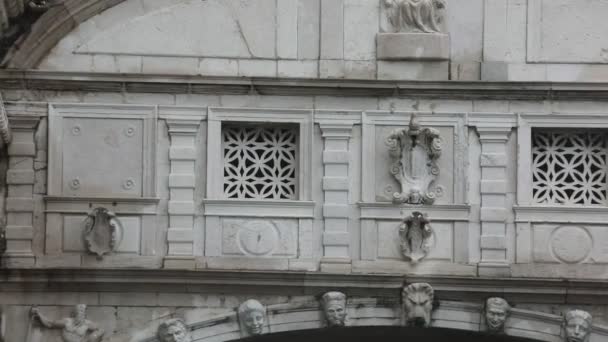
(413, 46)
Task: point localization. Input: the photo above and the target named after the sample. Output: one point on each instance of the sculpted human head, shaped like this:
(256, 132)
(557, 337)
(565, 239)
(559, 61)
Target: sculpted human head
(173, 330)
(252, 317)
(496, 312)
(79, 313)
(578, 325)
(334, 308)
(417, 304)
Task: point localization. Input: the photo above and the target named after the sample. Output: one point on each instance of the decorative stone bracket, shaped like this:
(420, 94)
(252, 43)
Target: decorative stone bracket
(415, 152)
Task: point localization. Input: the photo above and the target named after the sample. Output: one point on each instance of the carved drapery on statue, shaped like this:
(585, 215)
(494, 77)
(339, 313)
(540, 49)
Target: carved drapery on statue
(415, 232)
(415, 15)
(102, 232)
(415, 152)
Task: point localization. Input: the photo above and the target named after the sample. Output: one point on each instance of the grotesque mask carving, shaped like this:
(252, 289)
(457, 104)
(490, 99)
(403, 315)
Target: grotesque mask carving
(415, 232)
(334, 308)
(417, 304)
(102, 232)
(496, 312)
(415, 151)
(415, 15)
(252, 317)
(173, 330)
(578, 326)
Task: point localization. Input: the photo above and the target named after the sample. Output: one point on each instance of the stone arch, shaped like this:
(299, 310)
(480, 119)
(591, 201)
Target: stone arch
(449, 315)
(50, 28)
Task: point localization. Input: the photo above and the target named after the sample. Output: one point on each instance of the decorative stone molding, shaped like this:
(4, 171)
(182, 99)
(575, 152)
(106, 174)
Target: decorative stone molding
(334, 308)
(5, 129)
(76, 328)
(577, 326)
(102, 232)
(415, 15)
(415, 232)
(415, 152)
(173, 330)
(336, 129)
(496, 312)
(252, 318)
(417, 304)
(182, 130)
(20, 201)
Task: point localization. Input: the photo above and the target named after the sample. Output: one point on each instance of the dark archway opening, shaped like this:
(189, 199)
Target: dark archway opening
(384, 334)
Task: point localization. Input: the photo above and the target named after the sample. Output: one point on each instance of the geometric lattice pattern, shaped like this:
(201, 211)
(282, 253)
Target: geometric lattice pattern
(569, 167)
(260, 162)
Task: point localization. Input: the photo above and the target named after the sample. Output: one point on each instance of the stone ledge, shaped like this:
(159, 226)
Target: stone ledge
(413, 46)
(106, 82)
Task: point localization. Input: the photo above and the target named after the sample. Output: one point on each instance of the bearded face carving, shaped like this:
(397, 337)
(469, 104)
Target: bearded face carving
(417, 304)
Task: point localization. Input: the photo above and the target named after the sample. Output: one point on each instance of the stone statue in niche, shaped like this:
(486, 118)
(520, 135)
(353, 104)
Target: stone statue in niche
(252, 318)
(417, 304)
(415, 15)
(102, 232)
(415, 232)
(76, 328)
(334, 308)
(173, 330)
(415, 151)
(577, 325)
(496, 313)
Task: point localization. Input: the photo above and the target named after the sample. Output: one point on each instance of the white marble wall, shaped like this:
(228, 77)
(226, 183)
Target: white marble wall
(489, 40)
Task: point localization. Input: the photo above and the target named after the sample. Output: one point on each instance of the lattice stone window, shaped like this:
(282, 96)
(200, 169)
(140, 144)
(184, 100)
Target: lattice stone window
(260, 161)
(569, 166)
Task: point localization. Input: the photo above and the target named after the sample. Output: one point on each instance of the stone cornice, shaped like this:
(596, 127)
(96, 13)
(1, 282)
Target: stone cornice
(91, 82)
(447, 288)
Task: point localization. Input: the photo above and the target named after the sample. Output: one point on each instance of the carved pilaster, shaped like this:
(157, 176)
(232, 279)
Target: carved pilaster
(20, 200)
(336, 236)
(182, 157)
(494, 132)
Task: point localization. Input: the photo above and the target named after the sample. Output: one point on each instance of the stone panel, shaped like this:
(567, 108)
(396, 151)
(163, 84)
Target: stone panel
(567, 31)
(259, 237)
(569, 243)
(441, 242)
(73, 227)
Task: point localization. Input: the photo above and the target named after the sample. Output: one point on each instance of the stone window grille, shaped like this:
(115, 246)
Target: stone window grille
(260, 161)
(569, 167)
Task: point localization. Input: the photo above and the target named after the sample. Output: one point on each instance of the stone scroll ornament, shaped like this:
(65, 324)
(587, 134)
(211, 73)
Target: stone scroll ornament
(415, 232)
(102, 232)
(415, 152)
(415, 15)
(417, 304)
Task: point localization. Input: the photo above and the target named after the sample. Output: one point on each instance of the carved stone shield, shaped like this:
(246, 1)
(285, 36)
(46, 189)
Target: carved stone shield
(102, 232)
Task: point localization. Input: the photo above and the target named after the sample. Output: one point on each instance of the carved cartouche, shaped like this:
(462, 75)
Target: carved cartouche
(414, 152)
(415, 232)
(102, 232)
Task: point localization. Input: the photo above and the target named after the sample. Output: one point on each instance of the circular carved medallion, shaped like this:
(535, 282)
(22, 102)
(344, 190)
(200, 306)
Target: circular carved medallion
(571, 244)
(257, 238)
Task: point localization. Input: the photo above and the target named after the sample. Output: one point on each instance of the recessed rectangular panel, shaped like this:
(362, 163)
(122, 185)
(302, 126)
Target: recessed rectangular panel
(73, 234)
(102, 156)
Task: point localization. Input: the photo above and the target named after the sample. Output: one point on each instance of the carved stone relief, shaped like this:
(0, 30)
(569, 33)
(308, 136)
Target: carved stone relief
(496, 313)
(417, 304)
(415, 15)
(5, 130)
(577, 325)
(102, 232)
(252, 318)
(334, 308)
(415, 232)
(76, 328)
(415, 151)
(173, 330)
